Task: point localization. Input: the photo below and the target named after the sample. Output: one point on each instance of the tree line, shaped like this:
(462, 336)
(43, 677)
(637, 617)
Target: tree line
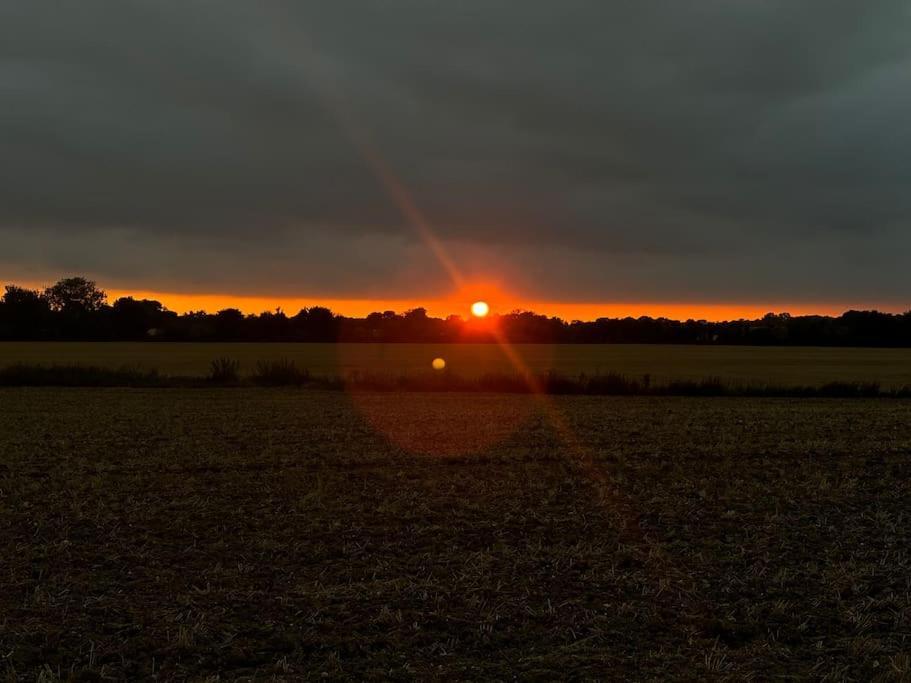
(76, 309)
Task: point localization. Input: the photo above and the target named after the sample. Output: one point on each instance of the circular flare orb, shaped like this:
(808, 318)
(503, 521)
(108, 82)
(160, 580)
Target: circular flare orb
(479, 309)
(438, 364)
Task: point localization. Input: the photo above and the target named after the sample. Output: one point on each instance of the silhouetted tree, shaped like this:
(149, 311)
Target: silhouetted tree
(317, 324)
(24, 314)
(138, 319)
(75, 294)
(229, 324)
(270, 326)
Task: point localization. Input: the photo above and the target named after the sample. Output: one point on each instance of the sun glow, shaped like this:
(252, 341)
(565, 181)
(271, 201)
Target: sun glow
(438, 364)
(479, 309)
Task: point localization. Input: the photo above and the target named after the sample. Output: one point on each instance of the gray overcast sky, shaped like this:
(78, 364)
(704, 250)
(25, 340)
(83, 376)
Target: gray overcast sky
(608, 150)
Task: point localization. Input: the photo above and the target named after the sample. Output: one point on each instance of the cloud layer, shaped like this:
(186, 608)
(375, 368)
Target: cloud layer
(707, 150)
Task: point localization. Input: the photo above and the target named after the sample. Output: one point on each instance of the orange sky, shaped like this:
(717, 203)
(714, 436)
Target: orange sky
(499, 304)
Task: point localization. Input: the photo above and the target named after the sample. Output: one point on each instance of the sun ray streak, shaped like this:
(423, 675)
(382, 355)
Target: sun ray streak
(609, 495)
(620, 505)
(402, 198)
(361, 140)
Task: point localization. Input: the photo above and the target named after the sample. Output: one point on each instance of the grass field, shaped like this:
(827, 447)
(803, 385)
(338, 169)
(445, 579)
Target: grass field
(286, 534)
(767, 365)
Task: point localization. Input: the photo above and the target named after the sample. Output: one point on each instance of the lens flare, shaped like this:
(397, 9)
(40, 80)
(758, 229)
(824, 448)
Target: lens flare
(479, 309)
(438, 364)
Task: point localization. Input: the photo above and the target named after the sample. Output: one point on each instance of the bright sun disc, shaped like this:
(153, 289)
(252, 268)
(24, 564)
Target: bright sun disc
(479, 309)
(438, 363)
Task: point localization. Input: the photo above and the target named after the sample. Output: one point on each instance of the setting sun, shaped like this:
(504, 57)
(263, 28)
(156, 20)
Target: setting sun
(479, 309)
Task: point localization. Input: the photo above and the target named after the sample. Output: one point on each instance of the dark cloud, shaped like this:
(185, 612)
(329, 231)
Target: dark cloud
(592, 150)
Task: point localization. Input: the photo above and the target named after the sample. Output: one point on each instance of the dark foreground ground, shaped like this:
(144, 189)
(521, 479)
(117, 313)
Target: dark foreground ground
(281, 534)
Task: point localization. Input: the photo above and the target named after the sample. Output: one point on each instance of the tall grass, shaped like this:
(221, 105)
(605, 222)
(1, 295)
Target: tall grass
(224, 371)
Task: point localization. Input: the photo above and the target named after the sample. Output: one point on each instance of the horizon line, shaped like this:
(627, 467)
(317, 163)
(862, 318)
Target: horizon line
(442, 307)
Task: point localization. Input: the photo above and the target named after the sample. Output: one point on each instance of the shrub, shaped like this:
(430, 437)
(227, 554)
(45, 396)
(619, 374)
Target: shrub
(224, 371)
(280, 372)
